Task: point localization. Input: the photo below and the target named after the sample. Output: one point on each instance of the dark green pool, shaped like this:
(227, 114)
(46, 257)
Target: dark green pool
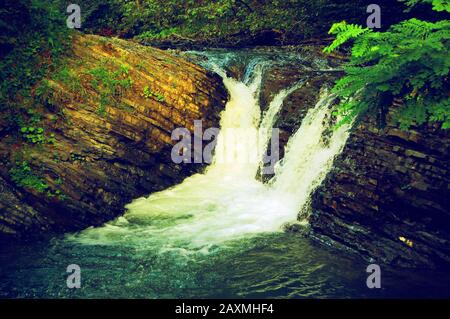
(268, 266)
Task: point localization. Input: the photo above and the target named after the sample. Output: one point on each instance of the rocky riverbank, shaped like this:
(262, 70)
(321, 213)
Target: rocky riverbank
(388, 196)
(100, 136)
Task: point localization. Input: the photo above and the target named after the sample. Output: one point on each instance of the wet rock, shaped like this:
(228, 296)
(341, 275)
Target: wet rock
(297, 104)
(17, 217)
(387, 197)
(298, 228)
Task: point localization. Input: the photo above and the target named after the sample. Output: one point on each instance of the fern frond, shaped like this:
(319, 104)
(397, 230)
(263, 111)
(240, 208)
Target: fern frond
(344, 32)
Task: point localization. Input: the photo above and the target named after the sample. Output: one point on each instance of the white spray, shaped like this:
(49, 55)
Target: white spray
(227, 201)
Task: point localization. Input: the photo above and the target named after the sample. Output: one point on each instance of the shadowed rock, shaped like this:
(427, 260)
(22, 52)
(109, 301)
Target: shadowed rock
(107, 117)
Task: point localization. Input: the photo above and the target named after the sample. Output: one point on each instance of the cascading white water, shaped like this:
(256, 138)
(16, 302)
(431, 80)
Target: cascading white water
(270, 115)
(307, 159)
(227, 201)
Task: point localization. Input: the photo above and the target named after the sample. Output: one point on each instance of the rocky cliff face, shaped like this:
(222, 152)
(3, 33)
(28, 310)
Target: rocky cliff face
(100, 135)
(388, 196)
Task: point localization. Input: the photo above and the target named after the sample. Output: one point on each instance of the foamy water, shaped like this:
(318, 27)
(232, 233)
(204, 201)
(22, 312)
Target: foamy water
(227, 201)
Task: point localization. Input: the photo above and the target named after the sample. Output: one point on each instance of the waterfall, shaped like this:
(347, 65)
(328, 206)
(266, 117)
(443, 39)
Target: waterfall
(307, 159)
(270, 115)
(227, 201)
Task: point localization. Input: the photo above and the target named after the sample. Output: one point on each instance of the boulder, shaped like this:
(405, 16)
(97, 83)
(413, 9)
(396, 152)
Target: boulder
(101, 135)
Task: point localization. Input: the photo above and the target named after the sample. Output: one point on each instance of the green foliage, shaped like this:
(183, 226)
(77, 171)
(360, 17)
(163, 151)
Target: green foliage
(42, 90)
(74, 157)
(109, 84)
(23, 176)
(35, 117)
(69, 79)
(344, 32)
(438, 5)
(409, 61)
(213, 21)
(51, 139)
(33, 39)
(36, 36)
(150, 35)
(147, 93)
(33, 135)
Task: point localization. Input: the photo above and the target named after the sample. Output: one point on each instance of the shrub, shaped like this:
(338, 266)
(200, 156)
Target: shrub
(109, 84)
(409, 61)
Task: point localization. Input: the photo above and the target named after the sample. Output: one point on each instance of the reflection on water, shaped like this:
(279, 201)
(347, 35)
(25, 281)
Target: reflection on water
(267, 266)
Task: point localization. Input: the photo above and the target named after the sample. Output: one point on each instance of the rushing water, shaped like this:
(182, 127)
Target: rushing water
(228, 202)
(217, 234)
